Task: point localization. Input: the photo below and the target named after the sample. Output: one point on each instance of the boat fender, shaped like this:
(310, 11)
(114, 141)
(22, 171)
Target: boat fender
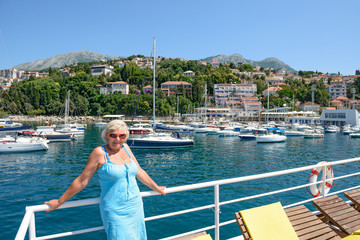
(316, 191)
(3, 142)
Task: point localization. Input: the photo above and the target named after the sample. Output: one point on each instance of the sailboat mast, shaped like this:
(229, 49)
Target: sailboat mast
(154, 87)
(67, 106)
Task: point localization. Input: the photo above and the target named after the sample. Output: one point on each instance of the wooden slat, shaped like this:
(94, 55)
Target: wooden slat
(341, 214)
(306, 225)
(354, 196)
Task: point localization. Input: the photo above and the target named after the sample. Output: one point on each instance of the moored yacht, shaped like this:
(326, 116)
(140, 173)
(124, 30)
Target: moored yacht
(10, 144)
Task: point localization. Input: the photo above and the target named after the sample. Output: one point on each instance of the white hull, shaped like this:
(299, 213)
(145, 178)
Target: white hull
(270, 138)
(226, 133)
(23, 145)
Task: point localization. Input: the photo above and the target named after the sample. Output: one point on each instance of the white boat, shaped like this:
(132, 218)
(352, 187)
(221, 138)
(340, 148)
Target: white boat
(293, 133)
(355, 135)
(10, 144)
(70, 128)
(212, 131)
(51, 135)
(200, 130)
(8, 125)
(227, 133)
(157, 140)
(100, 124)
(140, 129)
(332, 129)
(313, 134)
(270, 138)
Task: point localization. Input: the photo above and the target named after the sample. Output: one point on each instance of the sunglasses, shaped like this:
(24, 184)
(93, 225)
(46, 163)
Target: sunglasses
(114, 136)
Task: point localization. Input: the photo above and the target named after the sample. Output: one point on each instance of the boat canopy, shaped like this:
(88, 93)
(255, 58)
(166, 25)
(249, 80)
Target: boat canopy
(114, 116)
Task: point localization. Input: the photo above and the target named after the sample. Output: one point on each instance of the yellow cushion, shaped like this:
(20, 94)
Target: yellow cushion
(351, 237)
(203, 237)
(268, 222)
(354, 236)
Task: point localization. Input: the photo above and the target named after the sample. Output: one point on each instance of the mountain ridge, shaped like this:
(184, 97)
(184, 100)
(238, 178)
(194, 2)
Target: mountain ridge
(61, 60)
(271, 62)
(64, 59)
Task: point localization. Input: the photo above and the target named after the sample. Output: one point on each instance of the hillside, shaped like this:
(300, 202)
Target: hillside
(62, 60)
(266, 63)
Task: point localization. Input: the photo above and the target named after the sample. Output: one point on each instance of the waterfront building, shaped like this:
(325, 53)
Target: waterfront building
(98, 70)
(171, 87)
(112, 87)
(309, 106)
(302, 117)
(340, 117)
(213, 112)
(232, 92)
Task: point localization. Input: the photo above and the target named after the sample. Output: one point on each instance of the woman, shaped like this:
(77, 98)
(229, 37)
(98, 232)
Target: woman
(121, 205)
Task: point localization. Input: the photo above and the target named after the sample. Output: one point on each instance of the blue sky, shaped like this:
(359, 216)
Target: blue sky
(308, 35)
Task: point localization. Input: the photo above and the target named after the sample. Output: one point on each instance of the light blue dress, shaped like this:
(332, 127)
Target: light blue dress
(121, 205)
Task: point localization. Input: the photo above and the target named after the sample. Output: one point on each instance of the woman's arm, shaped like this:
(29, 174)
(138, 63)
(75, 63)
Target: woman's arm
(144, 177)
(81, 181)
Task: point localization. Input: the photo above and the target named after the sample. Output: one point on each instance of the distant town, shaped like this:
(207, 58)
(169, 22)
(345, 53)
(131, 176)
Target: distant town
(230, 90)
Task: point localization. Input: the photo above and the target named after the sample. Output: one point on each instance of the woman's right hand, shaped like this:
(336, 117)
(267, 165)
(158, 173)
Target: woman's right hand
(54, 204)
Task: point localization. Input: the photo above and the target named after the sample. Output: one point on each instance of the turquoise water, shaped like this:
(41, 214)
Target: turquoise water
(32, 178)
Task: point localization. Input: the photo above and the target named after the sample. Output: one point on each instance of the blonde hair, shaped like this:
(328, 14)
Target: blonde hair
(113, 126)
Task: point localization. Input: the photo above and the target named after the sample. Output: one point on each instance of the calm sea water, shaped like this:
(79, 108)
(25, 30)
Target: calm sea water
(32, 178)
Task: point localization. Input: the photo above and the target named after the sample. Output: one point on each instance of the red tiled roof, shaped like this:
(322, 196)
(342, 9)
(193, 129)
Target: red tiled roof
(117, 82)
(176, 83)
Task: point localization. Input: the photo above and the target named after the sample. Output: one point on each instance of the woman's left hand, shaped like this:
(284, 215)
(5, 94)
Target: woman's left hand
(160, 190)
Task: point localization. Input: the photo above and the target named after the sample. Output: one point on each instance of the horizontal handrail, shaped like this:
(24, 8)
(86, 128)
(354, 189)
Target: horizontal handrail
(37, 208)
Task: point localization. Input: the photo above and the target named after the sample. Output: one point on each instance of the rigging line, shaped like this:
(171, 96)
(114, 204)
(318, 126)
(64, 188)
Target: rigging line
(13, 102)
(137, 103)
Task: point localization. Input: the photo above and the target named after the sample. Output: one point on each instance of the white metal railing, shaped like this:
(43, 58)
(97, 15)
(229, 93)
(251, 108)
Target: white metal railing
(28, 222)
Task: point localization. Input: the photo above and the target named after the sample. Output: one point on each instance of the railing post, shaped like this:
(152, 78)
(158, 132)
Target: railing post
(217, 212)
(32, 231)
(323, 179)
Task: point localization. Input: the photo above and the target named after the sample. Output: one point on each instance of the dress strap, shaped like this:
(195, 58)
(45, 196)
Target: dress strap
(106, 155)
(127, 151)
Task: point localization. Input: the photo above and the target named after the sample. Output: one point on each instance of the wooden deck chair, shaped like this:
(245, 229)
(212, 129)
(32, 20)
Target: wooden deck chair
(339, 213)
(354, 196)
(305, 225)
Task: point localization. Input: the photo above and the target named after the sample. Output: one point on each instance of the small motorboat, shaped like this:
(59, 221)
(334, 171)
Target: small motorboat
(248, 136)
(270, 138)
(332, 129)
(10, 144)
(227, 133)
(313, 134)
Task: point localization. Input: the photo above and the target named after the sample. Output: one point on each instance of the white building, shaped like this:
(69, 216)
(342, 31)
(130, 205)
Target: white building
(112, 87)
(309, 106)
(340, 117)
(232, 92)
(98, 70)
(189, 73)
(337, 90)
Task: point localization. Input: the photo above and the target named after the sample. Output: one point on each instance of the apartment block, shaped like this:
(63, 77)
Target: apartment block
(232, 92)
(171, 87)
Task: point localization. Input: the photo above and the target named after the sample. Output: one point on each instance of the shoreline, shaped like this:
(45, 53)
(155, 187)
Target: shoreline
(55, 119)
